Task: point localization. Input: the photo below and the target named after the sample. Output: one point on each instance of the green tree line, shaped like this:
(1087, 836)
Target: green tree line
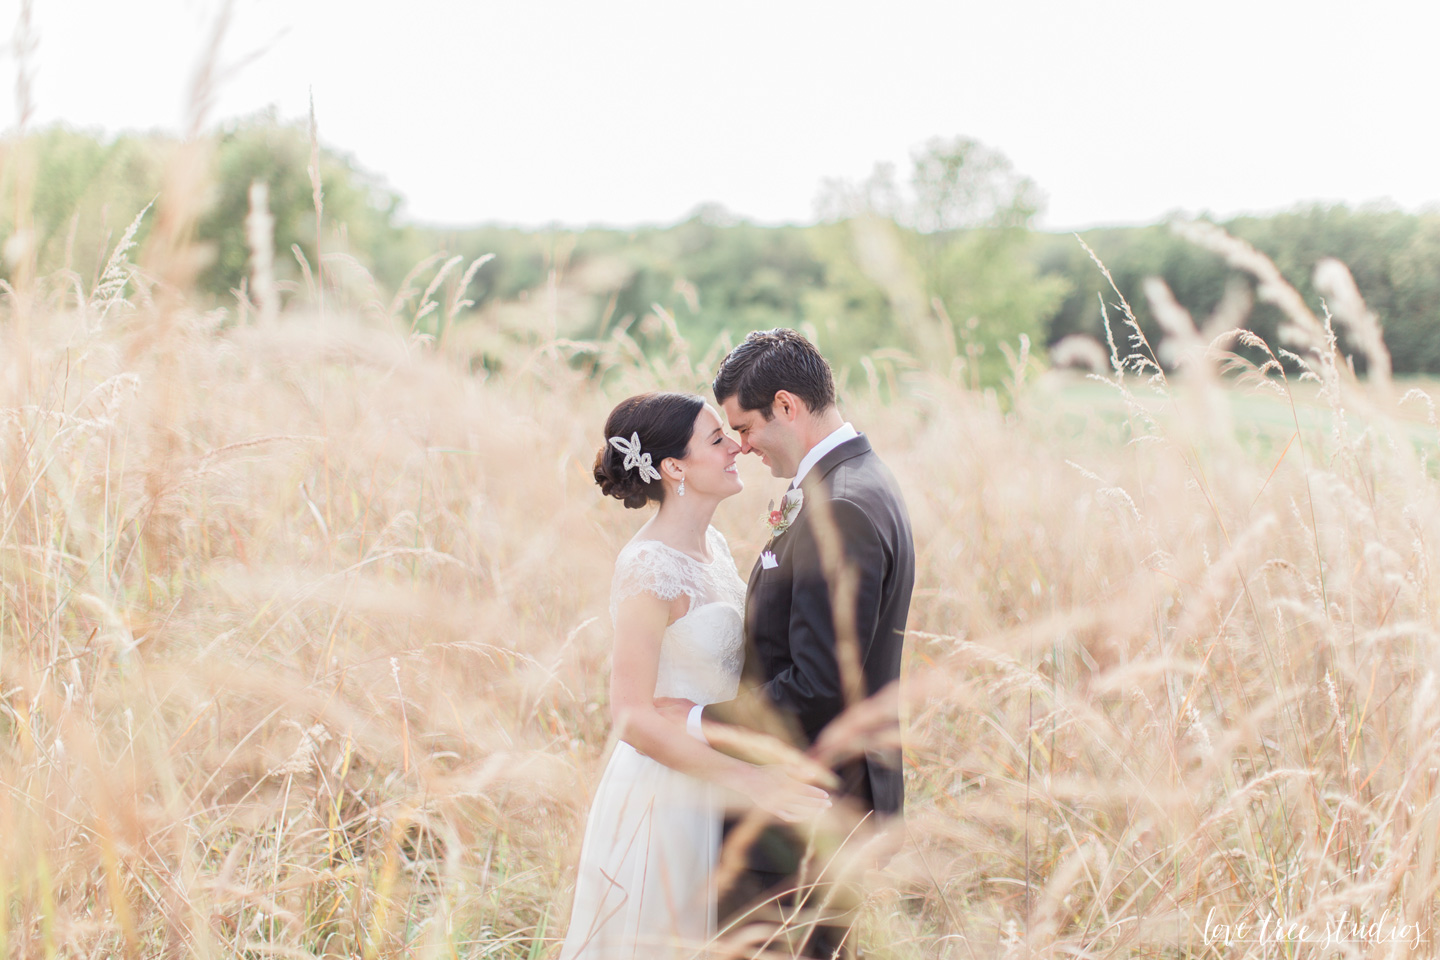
(82, 189)
(1394, 257)
(946, 268)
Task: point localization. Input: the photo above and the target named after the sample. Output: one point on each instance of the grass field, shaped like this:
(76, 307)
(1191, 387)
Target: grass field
(303, 645)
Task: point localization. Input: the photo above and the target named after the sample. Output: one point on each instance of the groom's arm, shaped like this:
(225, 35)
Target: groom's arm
(812, 688)
(810, 691)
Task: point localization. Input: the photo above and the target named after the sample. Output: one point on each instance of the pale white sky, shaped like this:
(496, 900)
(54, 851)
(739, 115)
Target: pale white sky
(580, 111)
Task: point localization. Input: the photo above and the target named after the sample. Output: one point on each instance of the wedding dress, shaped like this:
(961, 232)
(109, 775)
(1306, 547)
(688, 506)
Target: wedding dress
(645, 884)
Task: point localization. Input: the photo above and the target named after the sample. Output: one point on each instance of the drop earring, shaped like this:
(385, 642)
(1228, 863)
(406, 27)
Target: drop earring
(681, 491)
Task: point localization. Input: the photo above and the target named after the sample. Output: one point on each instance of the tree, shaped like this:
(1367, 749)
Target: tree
(88, 187)
(86, 191)
(360, 214)
(962, 184)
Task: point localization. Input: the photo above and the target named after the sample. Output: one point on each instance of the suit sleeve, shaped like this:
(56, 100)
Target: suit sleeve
(811, 688)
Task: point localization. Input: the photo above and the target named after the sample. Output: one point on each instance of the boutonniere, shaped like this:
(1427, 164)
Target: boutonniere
(779, 520)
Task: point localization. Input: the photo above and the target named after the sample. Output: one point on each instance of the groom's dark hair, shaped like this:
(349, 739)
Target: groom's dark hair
(771, 360)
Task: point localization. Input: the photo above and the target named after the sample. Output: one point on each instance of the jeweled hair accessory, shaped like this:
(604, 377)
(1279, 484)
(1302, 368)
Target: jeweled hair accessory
(633, 456)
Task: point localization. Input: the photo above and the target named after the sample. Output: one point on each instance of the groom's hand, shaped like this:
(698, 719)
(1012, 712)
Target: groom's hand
(674, 709)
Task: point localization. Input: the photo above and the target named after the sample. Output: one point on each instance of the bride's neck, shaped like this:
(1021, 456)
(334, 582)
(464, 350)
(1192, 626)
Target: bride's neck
(685, 523)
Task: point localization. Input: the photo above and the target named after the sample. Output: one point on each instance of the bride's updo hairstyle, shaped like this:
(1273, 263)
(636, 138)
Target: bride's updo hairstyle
(665, 422)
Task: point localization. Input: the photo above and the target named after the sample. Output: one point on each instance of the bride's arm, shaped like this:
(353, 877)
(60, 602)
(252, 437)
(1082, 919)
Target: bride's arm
(639, 629)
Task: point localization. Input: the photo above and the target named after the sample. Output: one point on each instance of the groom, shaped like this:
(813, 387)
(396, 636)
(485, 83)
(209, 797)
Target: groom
(825, 609)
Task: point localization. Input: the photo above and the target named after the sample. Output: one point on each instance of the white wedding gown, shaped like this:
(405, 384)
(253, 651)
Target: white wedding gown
(645, 884)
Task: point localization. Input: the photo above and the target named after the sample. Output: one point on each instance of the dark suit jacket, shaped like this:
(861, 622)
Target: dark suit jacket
(791, 633)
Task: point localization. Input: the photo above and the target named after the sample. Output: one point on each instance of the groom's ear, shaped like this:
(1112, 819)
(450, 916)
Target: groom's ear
(787, 406)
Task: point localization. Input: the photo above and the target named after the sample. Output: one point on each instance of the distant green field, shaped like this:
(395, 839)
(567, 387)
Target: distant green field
(1258, 415)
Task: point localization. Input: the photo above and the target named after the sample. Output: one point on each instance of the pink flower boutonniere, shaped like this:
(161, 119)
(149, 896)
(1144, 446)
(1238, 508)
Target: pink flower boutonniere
(779, 519)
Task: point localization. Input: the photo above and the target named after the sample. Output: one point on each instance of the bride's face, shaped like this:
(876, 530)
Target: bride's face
(709, 463)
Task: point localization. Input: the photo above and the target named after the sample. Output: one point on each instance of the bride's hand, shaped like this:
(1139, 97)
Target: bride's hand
(779, 794)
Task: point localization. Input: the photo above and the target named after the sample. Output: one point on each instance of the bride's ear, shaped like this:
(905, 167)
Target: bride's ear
(670, 467)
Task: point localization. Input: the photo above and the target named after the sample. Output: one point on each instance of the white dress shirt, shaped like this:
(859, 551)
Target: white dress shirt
(836, 437)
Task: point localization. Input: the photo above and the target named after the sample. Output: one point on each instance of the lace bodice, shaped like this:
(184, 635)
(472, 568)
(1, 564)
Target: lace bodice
(702, 652)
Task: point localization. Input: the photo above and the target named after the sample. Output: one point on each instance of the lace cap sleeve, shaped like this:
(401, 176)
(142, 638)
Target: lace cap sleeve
(647, 566)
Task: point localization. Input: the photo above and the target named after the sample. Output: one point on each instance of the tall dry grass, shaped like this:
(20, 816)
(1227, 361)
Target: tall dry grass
(303, 648)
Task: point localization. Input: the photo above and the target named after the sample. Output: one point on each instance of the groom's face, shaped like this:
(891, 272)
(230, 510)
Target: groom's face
(774, 441)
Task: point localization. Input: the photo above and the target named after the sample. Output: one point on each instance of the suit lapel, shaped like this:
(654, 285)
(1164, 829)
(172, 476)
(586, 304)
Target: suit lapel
(854, 447)
(849, 450)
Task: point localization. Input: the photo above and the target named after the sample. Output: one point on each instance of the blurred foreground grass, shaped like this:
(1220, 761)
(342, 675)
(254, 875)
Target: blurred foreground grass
(303, 647)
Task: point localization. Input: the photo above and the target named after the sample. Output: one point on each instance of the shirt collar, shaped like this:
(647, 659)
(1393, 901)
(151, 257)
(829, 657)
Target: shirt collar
(837, 436)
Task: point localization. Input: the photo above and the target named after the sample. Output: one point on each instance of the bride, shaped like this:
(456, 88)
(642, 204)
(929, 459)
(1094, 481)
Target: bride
(645, 884)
